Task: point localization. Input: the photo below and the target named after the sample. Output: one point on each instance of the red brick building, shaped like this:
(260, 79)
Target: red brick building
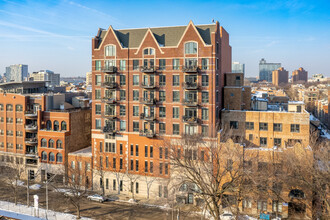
(299, 76)
(152, 84)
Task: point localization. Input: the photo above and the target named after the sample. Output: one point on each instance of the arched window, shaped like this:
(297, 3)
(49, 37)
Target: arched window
(43, 142)
(63, 126)
(43, 156)
(51, 157)
(190, 48)
(110, 50)
(59, 158)
(51, 143)
(19, 108)
(149, 51)
(59, 144)
(56, 126)
(49, 125)
(9, 107)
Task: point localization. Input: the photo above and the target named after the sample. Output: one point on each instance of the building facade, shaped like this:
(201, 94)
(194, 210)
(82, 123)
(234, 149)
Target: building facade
(237, 67)
(299, 76)
(52, 79)
(280, 76)
(149, 85)
(266, 69)
(16, 73)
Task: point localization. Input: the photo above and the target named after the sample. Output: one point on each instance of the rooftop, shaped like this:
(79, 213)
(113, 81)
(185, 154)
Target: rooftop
(83, 152)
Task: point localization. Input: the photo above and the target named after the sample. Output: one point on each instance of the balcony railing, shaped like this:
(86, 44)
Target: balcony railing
(147, 133)
(31, 141)
(109, 100)
(147, 69)
(190, 69)
(109, 115)
(109, 130)
(148, 85)
(147, 117)
(190, 102)
(190, 119)
(148, 101)
(110, 85)
(31, 114)
(190, 85)
(109, 69)
(31, 127)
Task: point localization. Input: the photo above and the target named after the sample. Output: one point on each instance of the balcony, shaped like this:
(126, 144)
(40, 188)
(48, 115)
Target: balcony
(109, 130)
(190, 69)
(31, 127)
(190, 85)
(190, 102)
(31, 114)
(146, 69)
(148, 101)
(109, 100)
(190, 119)
(147, 117)
(148, 85)
(31, 141)
(109, 69)
(110, 85)
(31, 162)
(109, 115)
(147, 133)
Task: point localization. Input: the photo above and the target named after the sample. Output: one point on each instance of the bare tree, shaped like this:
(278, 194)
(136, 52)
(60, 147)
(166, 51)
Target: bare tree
(132, 178)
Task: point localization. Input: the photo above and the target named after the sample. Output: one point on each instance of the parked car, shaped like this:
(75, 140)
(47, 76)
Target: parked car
(227, 216)
(71, 194)
(96, 197)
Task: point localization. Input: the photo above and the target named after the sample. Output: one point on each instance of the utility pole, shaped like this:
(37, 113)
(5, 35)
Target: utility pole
(28, 187)
(48, 181)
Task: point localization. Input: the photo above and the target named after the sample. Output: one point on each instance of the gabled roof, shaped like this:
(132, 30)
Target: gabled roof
(165, 36)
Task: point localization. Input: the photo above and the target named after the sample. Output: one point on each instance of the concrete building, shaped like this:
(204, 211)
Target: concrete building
(16, 73)
(266, 69)
(52, 79)
(299, 76)
(280, 77)
(237, 67)
(149, 85)
(88, 79)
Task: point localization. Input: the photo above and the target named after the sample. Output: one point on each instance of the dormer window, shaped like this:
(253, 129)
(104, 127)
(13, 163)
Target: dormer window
(149, 51)
(190, 48)
(110, 50)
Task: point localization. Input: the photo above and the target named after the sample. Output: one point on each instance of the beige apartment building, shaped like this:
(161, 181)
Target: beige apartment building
(280, 76)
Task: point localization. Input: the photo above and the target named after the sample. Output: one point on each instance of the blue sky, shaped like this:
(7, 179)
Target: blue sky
(56, 35)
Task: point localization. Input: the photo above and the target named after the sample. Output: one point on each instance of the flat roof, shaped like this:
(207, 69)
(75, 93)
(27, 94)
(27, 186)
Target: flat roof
(83, 152)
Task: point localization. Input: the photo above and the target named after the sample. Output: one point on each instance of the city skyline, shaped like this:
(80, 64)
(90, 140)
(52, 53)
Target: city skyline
(46, 35)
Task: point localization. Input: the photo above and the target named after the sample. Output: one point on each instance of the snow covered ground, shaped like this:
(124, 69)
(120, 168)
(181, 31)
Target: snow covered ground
(27, 213)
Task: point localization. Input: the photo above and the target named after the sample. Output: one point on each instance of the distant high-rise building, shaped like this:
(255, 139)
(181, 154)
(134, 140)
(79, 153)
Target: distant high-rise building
(280, 76)
(237, 67)
(88, 78)
(46, 75)
(16, 73)
(299, 75)
(266, 69)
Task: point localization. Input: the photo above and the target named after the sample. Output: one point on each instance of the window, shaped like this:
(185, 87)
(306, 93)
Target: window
(205, 131)
(190, 48)
(135, 110)
(136, 187)
(217, 96)
(136, 126)
(9, 107)
(122, 65)
(43, 142)
(19, 108)
(205, 114)
(166, 153)
(122, 110)
(151, 153)
(176, 64)
(205, 97)
(97, 94)
(176, 112)
(149, 51)
(63, 126)
(121, 163)
(114, 163)
(247, 203)
(277, 206)
(217, 80)
(162, 112)
(136, 165)
(176, 80)
(162, 80)
(1, 107)
(137, 150)
(43, 156)
(160, 152)
(250, 137)
(101, 147)
(217, 64)
(97, 109)
(249, 125)
(146, 151)
(132, 165)
(233, 124)
(98, 123)
(122, 94)
(135, 65)
(295, 128)
(97, 65)
(51, 157)
(277, 127)
(162, 97)
(263, 141)
(51, 143)
(262, 205)
(162, 128)
(176, 96)
(205, 63)
(166, 168)
(136, 80)
(277, 142)
(205, 80)
(176, 129)
(122, 125)
(146, 166)
(160, 168)
(263, 126)
(121, 149)
(114, 185)
(59, 144)
(110, 50)
(162, 64)
(107, 162)
(122, 80)
(107, 183)
(97, 80)
(151, 167)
